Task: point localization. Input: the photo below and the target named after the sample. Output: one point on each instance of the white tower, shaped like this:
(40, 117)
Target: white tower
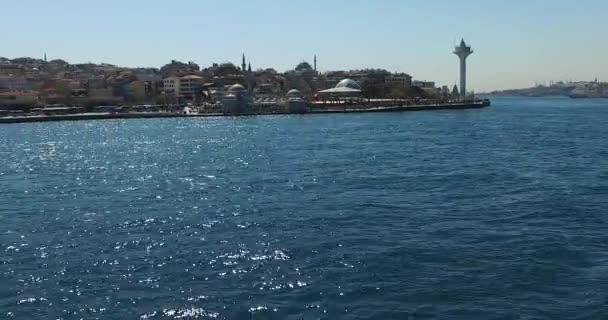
(463, 52)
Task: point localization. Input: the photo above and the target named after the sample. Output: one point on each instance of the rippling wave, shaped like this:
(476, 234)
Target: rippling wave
(497, 213)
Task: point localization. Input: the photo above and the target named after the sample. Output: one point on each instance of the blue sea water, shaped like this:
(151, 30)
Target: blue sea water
(497, 213)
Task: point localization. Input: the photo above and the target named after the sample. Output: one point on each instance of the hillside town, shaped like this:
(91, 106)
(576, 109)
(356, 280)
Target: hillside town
(30, 83)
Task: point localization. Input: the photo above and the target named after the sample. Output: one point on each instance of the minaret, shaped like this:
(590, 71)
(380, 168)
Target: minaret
(315, 64)
(243, 64)
(463, 51)
(249, 79)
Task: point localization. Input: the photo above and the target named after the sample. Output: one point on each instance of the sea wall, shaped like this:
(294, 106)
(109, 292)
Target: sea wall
(143, 115)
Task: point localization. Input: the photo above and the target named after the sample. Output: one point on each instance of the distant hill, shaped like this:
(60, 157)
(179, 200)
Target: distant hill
(581, 89)
(538, 91)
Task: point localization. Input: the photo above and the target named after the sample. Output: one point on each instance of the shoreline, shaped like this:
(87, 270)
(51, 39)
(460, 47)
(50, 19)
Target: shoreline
(147, 115)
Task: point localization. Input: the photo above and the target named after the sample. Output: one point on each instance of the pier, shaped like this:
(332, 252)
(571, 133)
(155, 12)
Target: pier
(313, 110)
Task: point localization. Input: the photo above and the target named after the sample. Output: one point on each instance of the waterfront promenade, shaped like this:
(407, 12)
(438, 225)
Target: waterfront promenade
(314, 110)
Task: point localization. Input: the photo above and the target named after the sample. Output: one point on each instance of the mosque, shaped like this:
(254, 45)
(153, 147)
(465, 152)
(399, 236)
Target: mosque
(295, 102)
(237, 100)
(240, 99)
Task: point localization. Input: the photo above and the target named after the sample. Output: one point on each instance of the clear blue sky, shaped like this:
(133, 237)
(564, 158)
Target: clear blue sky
(516, 42)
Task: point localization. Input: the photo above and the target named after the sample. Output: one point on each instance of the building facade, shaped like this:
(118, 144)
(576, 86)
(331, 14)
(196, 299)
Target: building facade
(423, 84)
(171, 86)
(402, 80)
(186, 87)
(18, 98)
(189, 86)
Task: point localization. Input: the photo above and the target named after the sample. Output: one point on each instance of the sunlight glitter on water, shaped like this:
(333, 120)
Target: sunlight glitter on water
(351, 217)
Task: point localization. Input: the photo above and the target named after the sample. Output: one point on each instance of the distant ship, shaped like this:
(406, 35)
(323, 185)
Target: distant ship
(579, 93)
(588, 91)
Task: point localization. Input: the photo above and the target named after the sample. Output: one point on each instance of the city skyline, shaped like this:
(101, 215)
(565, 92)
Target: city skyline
(515, 46)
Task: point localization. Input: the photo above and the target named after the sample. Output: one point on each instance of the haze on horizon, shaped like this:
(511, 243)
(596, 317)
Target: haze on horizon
(515, 44)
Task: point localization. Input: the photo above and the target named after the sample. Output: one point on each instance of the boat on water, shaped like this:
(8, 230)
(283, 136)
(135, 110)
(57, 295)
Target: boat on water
(579, 93)
(589, 90)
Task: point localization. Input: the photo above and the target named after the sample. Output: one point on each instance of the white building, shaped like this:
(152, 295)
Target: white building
(171, 86)
(189, 85)
(186, 86)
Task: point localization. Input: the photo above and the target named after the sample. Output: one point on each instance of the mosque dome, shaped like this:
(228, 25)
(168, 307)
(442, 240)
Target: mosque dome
(348, 83)
(294, 93)
(236, 88)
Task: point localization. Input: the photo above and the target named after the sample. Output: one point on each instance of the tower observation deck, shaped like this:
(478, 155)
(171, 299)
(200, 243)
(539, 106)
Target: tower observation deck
(463, 51)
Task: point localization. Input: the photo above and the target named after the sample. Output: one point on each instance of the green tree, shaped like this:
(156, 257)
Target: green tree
(175, 67)
(397, 92)
(299, 83)
(373, 89)
(226, 69)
